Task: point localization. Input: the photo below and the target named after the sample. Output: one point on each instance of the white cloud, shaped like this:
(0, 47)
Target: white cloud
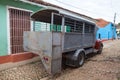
(94, 8)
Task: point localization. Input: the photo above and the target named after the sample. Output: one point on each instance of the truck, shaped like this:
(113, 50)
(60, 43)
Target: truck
(61, 37)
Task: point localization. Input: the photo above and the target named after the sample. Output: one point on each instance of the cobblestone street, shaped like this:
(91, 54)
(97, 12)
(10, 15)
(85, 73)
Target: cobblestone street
(105, 66)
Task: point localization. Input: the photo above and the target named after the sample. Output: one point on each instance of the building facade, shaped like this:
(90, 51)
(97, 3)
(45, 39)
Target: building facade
(14, 20)
(106, 30)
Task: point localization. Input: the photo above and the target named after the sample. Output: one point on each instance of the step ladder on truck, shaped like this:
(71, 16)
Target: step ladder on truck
(63, 34)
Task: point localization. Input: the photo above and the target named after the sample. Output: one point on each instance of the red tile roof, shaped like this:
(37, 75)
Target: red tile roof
(101, 22)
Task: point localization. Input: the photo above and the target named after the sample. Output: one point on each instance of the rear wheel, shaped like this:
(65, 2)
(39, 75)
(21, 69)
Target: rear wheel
(80, 59)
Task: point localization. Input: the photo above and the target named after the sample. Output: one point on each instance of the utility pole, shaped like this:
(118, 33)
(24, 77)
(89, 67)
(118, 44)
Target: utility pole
(114, 25)
(114, 18)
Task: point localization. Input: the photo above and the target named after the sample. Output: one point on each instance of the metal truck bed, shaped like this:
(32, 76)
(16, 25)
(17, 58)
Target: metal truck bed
(48, 46)
(74, 41)
(51, 45)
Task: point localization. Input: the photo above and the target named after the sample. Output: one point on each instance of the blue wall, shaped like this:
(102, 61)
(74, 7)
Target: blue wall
(107, 32)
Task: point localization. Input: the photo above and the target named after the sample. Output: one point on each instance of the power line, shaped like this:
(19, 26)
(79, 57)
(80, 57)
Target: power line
(116, 15)
(70, 5)
(109, 17)
(111, 5)
(79, 8)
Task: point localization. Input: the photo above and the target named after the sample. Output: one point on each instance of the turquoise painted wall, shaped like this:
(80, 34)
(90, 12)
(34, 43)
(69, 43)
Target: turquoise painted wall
(3, 20)
(108, 32)
(3, 31)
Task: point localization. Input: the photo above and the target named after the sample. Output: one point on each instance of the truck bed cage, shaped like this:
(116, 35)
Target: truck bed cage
(54, 19)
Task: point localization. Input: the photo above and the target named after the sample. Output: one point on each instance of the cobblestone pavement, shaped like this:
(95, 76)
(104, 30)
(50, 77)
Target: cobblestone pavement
(32, 71)
(105, 66)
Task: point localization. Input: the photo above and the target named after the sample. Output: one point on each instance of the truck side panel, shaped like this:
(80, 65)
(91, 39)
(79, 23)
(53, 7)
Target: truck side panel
(57, 52)
(74, 41)
(41, 44)
(48, 45)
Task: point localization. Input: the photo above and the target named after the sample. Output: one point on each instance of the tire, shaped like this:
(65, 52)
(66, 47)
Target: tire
(100, 50)
(80, 59)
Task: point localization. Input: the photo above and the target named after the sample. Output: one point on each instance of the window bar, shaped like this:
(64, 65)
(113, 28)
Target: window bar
(33, 25)
(83, 28)
(13, 12)
(17, 26)
(14, 30)
(52, 21)
(63, 24)
(46, 27)
(16, 12)
(74, 26)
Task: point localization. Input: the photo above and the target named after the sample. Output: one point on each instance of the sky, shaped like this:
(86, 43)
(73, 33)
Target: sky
(94, 8)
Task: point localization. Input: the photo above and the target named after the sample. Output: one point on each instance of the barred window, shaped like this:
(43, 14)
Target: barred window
(89, 28)
(41, 26)
(73, 25)
(19, 22)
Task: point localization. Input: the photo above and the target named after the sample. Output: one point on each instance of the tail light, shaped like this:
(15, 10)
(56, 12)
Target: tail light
(97, 44)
